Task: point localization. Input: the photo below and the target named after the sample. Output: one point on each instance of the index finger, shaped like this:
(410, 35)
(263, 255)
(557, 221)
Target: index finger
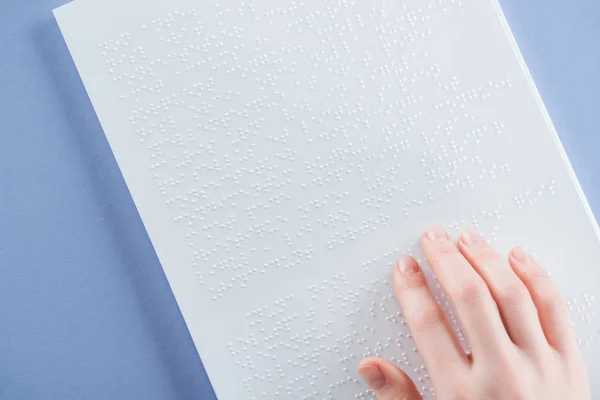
(428, 324)
(468, 292)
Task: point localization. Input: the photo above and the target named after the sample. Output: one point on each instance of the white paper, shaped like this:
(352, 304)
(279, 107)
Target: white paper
(283, 154)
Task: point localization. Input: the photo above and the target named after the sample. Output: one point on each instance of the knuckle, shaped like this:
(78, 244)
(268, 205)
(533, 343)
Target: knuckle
(416, 281)
(446, 247)
(424, 319)
(470, 291)
(484, 254)
(405, 396)
(461, 390)
(514, 293)
(547, 295)
(505, 389)
(508, 382)
(537, 275)
(550, 301)
(402, 389)
(440, 250)
(403, 386)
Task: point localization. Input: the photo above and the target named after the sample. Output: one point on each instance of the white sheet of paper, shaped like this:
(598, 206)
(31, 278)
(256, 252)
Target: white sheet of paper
(283, 154)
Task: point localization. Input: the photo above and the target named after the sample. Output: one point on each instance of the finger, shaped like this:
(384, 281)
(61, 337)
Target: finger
(552, 310)
(470, 295)
(387, 381)
(430, 328)
(512, 297)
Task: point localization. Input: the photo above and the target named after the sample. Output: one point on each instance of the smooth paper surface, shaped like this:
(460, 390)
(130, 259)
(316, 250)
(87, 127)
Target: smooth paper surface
(283, 154)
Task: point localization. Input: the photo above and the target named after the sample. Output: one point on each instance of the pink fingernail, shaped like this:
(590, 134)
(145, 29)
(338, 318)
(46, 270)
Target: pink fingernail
(408, 266)
(472, 238)
(436, 233)
(373, 376)
(520, 255)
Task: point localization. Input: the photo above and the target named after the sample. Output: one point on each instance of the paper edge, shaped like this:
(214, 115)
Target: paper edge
(542, 107)
(58, 12)
(58, 15)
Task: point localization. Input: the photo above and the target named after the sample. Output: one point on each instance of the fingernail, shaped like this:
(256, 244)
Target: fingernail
(472, 238)
(436, 233)
(407, 266)
(520, 255)
(373, 376)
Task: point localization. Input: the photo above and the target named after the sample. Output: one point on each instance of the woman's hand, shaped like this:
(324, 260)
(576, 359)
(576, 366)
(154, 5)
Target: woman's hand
(523, 346)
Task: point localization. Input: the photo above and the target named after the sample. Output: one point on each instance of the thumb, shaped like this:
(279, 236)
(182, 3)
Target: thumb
(387, 381)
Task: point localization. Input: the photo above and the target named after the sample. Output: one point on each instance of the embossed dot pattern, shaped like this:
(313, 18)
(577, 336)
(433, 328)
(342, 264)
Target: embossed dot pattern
(283, 155)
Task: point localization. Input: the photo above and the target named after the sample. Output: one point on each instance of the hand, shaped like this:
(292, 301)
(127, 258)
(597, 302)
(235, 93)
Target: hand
(523, 346)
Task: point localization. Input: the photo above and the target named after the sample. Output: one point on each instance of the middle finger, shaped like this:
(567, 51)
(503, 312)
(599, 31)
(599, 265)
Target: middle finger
(514, 302)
